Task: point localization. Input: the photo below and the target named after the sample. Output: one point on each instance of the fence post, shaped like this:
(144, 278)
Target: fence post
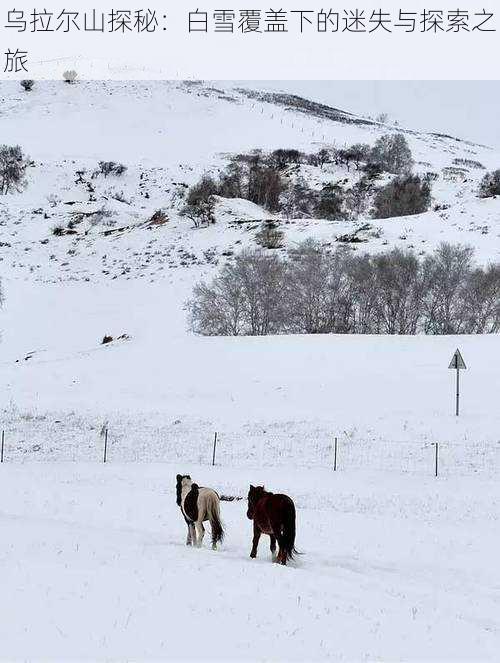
(335, 457)
(105, 458)
(3, 445)
(436, 462)
(215, 447)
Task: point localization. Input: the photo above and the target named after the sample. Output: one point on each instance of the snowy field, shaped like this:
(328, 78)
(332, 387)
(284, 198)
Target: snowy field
(94, 567)
(397, 564)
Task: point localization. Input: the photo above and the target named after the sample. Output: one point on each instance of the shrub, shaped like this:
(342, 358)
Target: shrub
(231, 182)
(103, 217)
(269, 236)
(470, 163)
(373, 170)
(70, 76)
(159, 218)
(358, 197)
(281, 159)
(392, 154)
(265, 186)
(359, 152)
(27, 85)
(299, 201)
(319, 159)
(330, 204)
(323, 157)
(200, 203)
(402, 197)
(13, 167)
(343, 157)
(107, 168)
(490, 185)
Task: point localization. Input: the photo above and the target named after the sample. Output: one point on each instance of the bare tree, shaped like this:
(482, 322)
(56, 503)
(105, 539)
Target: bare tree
(482, 301)
(13, 167)
(398, 292)
(393, 154)
(315, 291)
(445, 275)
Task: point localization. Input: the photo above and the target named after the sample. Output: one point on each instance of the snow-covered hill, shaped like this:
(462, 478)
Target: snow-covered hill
(398, 565)
(126, 276)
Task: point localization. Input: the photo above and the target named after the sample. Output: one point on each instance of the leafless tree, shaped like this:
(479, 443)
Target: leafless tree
(393, 154)
(13, 167)
(445, 276)
(315, 290)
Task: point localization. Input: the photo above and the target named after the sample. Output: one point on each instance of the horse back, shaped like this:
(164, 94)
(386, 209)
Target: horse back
(272, 510)
(197, 501)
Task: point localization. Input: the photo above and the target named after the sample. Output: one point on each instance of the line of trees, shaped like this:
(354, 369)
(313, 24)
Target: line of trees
(312, 290)
(267, 180)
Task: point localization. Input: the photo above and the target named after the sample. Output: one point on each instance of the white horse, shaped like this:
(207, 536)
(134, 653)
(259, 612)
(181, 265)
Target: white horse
(199, 505)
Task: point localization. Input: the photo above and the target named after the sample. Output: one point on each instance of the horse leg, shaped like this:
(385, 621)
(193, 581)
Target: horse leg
(200, 532)
(255, 542)
(281, 559)
(191, 540)
(188, 540)
(273, 546)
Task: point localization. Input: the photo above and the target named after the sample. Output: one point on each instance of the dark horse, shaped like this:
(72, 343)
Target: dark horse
(273, 515)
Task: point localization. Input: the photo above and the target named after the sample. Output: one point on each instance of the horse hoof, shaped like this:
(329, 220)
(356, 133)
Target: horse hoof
(253, 555)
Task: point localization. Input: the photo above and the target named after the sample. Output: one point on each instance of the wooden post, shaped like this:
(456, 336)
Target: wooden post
(215, 447)
(105, 445)
(335, 457)
(436, 444)
(3, 445)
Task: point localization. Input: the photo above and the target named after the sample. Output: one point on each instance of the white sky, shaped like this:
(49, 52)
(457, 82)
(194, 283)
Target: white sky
(466, 109)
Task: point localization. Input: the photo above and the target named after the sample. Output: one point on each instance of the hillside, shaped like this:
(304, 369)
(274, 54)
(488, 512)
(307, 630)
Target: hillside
(397, 564)
(126, 276)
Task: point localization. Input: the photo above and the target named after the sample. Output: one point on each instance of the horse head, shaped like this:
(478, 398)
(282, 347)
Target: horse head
(254, 495)
(181, 478)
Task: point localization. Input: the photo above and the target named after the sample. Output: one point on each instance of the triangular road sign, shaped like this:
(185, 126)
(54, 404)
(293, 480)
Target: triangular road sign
(457, 361)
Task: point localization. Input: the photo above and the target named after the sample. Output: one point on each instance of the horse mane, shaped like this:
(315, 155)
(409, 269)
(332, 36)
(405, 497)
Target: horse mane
(178, 487)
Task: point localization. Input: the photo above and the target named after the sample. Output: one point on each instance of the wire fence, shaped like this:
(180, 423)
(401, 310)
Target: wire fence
(41, 440)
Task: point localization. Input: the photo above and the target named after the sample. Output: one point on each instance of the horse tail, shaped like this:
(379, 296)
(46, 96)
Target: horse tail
(213, 512)
(288, 533)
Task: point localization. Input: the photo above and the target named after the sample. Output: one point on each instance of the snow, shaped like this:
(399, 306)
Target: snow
(397, 564)
(95, 566)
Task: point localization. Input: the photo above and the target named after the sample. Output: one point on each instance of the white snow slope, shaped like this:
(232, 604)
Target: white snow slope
(397, 565)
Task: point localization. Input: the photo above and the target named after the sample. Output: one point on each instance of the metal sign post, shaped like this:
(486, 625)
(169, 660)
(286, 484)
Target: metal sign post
(458, 364)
